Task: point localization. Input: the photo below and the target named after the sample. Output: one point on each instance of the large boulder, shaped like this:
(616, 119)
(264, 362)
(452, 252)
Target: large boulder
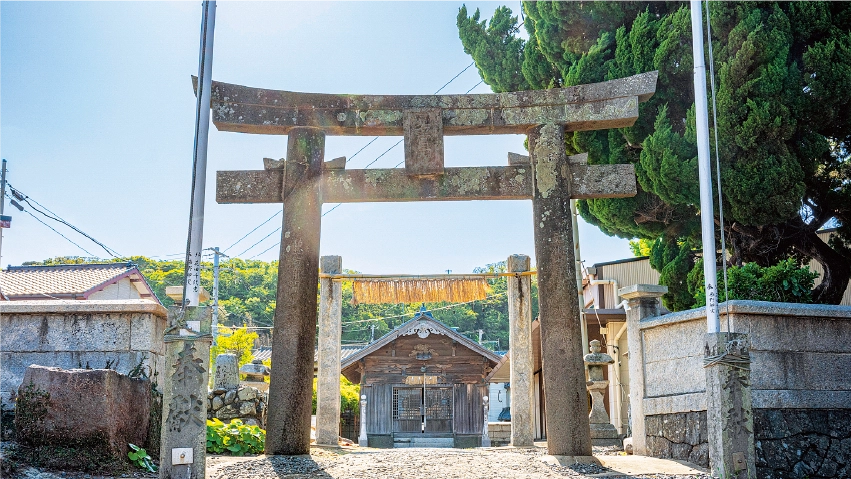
(87, 408)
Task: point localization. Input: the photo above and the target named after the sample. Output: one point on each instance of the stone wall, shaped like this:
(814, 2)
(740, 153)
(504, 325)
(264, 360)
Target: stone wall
(101, 334)
(800, 384)
(246, 403)
(802, 443)
(678, 436)
(499, 433)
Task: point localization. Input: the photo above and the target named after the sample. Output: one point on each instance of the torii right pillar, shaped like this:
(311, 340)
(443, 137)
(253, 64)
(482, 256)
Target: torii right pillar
(568, 428)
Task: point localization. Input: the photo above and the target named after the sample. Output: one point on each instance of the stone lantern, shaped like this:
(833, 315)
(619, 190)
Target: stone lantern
(255, 372)
(603, 433)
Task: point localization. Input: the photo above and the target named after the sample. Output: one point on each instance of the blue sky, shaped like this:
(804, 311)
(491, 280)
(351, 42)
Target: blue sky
(97, 122)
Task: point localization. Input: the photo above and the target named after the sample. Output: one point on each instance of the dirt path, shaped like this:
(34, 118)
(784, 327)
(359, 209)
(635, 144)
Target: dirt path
(422, 463)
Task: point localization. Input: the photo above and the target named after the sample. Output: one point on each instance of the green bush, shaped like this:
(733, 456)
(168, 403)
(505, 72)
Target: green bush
(785, 282)
(235, 438)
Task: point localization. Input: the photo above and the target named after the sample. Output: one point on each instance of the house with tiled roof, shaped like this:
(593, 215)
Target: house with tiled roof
(75, 281)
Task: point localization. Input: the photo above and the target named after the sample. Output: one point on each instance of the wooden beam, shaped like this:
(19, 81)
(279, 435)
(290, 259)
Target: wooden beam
(611, 104)
(456, 184)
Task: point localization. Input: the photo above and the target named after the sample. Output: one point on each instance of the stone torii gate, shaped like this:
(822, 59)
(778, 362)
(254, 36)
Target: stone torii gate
(548, 177)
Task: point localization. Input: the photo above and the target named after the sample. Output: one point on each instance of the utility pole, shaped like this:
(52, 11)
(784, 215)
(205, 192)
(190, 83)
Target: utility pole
(371, 333)
(192, 273)
(583, 321)
(707, 215)
(215, 327)
(2, 206)
(481, 332)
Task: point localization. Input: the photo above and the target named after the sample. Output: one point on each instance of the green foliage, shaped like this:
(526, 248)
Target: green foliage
(349, 396)
(785, 282)
(235, 438)
(674, 260)
(238, 341)
(140, 457)
(783, 127)
(247, 297)
(640, 247)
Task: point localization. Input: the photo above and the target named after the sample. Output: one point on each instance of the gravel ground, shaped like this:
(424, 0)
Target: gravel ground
(421, 463)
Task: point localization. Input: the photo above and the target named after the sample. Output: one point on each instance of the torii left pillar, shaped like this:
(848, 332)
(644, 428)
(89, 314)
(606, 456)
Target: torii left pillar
(568, 428)
(288, 423)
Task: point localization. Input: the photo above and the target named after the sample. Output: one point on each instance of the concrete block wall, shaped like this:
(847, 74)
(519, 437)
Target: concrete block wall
(499, 433)
(68, 334)
(800, 373)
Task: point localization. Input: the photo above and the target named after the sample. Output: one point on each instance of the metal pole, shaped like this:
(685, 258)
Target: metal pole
(707, 216)
(215, 327)
(192, 274)
(2, 206)
(581, 292)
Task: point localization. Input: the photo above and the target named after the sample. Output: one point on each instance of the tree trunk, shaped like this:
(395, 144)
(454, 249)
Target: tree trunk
(767, 245)
(837, 269)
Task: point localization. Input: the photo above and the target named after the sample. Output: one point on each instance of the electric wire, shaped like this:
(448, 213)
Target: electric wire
(57, 232)
(261, 240)
(718, 167)
(433, 309)
(400, 141)
(265, 250)
(21, 196)
(252, 231)
(474, 86)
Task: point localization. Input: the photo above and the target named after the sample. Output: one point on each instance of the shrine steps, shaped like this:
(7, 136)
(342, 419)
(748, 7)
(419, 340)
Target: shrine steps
(427, 441)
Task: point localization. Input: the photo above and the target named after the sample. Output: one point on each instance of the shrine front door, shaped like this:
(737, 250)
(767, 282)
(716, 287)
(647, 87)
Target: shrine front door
(415, 412)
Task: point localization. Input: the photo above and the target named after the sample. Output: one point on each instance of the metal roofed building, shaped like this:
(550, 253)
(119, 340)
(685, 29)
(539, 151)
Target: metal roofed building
(106, 281)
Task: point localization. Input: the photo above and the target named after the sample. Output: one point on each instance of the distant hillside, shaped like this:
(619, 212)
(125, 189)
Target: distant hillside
(247, 292)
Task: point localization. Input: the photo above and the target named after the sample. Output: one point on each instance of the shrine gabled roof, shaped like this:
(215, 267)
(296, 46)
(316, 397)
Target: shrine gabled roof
(422, 325)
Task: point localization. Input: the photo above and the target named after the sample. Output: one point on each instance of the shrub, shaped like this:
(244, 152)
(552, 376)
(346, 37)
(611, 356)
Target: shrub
(235, 438)
(785, 282)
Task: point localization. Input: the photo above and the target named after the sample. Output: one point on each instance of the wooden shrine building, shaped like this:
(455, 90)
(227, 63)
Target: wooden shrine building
(424, 385)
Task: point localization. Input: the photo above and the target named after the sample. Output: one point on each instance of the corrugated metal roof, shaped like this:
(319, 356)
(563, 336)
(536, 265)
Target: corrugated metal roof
(75, 281)
(265, 352)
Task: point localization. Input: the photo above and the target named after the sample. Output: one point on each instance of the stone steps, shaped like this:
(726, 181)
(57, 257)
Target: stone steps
(443, 442)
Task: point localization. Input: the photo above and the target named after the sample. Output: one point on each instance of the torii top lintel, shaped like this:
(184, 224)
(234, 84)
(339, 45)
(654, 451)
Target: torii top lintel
(424, 120)
(610, 104)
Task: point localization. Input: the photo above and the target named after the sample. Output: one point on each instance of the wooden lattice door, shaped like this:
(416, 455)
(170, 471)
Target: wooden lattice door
(407, 409)
(438, 409)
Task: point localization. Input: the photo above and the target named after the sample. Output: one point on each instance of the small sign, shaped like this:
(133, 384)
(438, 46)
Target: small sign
(5, 221)
(181, 456)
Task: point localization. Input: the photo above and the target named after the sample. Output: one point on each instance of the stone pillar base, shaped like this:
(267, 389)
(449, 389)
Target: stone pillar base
(604, 435)
(729, 414)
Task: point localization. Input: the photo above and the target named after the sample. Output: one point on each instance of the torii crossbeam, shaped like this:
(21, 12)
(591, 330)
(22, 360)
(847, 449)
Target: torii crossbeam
(548, 177)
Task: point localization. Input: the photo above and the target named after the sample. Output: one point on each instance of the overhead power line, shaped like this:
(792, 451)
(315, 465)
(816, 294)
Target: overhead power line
(54, 230)
(261, 240)
(252, 231)
(47, 213)
(350, 159)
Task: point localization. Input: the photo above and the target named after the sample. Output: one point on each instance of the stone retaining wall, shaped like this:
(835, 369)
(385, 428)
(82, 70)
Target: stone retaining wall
(802, 443)
(95, 334)
(678, 436)
(499, 433)
(800, 379)
(246, 403)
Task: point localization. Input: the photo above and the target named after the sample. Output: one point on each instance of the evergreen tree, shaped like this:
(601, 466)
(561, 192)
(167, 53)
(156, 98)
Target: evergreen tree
(783, 70)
